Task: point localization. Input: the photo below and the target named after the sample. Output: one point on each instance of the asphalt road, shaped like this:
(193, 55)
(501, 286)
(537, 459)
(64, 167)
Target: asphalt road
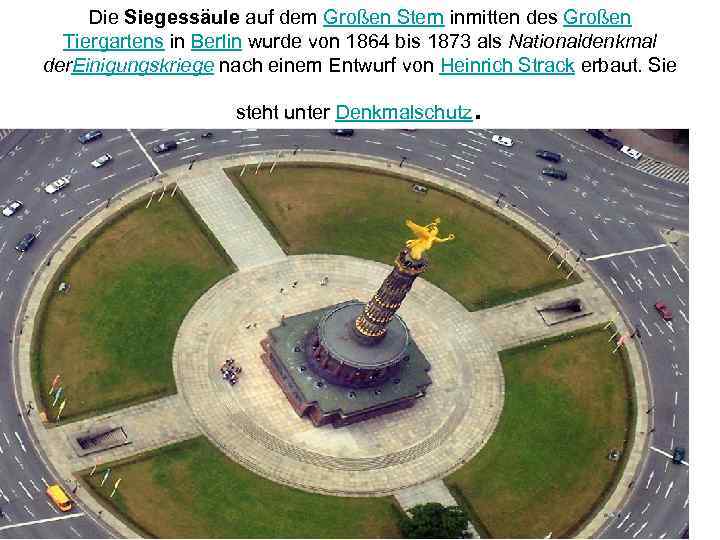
(604, 208)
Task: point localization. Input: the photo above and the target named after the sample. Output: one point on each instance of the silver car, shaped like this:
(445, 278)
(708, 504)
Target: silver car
(11, 208)
(102, 160)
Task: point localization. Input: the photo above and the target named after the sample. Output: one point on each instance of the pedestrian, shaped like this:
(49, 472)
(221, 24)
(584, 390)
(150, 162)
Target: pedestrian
(282, 320)
(282, 290)
(652, 430)
(294, 284)
(248, 326)
(254, 325)
(324, 281)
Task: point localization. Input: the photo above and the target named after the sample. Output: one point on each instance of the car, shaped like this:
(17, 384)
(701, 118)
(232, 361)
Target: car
(57, 185)
(664, 311)
(548, 155)
(502, 141)
(343, 132)
(617, 144)
(554, 173)
(164, 147)
(597, 133)
(678, 455)
(90, 136)
(635, 154)
(11, 208)
(102, 160)
(25, 242)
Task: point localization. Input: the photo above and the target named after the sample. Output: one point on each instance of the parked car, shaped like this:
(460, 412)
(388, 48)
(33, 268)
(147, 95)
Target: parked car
(502, 141)
(554, 173)
(11, 208)
(617, 144)
(343, 132)
(102, 160)
(164, 147)
(548, 155)
(597, 133)
(90, 136)
(25, 242)
(664, 311)
(678, 455)
(58, 184)
(635, 154)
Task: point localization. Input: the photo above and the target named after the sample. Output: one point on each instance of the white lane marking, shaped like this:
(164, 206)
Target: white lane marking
(650, 187)
(687, 500)
(181, 134)
(637, 281)
(152, 142)
(6, 438)
(668, 489)
(39, 521)
(643, 307)
(654, 278)
(629, 527)
(44, 482)
(652, 473)
(434, 157)
(623, 521)
(221, 141)
(463, 167)
(471, 147)
(648, 248)
(124, 152)
(92, 202)
(249, 145)
(498, 164)
(118, 137)
(491, 177)
(647, 330)
(676, 397)
(438, 143)
(652, 258)
(404, 149)
(666, 280)
(677, 274)
(683, 315)
(592, 234)
(640, 529)
(28, 511)
(52, 507)
(25, 490)
(191, 147)
(373, 142)
(667, 455)
(67, 213)
(674, 420)
(681, 300)
(520, 191)
(73, 530)
(82, 187)
(617, 286)
(462, 159)
(144, 151)
(632, 261)
(3, 246)
(615, 266)
(628, 286)
(455, 172)
(543, 211)
(662, 535)
(34, 485)
(4, 496)
(131, 167)
(108, 177)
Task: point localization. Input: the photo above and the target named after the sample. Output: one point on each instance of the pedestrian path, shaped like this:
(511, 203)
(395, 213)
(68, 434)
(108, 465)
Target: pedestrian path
(230, 218)
(663, 170)
(432, 491)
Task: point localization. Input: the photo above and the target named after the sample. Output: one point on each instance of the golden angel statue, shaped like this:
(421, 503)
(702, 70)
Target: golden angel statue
(425, 237)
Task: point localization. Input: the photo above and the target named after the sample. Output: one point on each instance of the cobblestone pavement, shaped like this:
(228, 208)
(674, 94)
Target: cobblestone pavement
(253, 422)
(229, 217)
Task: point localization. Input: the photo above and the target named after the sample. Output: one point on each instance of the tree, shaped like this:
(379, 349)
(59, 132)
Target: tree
(433, 520)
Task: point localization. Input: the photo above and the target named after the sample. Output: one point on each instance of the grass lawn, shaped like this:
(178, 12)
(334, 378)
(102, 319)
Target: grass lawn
(546, 465)
(192, 490)
(111, 337)
(360, 213)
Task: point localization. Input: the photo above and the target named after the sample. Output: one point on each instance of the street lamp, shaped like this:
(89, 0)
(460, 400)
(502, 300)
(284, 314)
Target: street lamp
(403, 160)
(500, 196)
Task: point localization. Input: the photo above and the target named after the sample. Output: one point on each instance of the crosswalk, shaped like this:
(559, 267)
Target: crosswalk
(666, 171)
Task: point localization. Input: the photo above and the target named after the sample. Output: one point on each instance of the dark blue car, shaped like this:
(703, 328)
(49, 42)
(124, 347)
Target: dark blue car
(90, 136)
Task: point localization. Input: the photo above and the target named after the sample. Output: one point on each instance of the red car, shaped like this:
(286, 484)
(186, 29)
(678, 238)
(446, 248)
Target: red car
(664, 311)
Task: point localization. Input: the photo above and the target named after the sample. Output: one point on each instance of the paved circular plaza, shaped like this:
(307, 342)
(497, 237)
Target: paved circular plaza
(253, 423)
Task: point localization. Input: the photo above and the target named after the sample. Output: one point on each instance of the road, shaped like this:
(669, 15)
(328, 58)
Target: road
(604, 209)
